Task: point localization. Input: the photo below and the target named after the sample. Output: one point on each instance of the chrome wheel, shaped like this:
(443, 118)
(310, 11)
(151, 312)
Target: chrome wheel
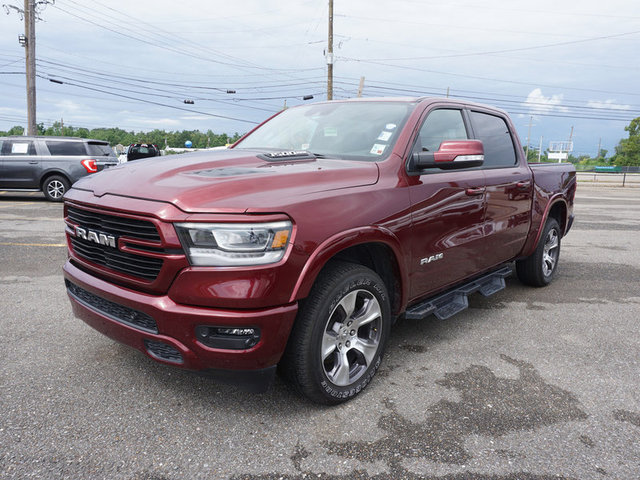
(55, 189)
(550, 252)
(351, 337)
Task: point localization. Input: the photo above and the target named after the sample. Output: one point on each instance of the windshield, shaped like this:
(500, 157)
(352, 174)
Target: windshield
(353, 130)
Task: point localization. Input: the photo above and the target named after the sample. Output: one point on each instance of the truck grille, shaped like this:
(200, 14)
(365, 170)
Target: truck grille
(134, 265)
(110, 309)
(140, 266)
(121, 226)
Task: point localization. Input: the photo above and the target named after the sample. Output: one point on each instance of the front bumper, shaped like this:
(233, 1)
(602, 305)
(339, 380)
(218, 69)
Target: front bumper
(165, 330)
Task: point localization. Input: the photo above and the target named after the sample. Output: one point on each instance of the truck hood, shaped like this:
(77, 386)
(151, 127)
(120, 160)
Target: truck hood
(228, 181)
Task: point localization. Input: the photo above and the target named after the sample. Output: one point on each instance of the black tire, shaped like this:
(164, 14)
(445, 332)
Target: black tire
(348, 311)
(539, 269)
(55, 187)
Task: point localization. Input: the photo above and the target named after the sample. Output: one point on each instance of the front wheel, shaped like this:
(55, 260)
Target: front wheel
(340, 334)
(539, 269)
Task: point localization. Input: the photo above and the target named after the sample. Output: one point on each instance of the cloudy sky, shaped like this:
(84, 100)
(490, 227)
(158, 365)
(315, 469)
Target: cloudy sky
(553, 65)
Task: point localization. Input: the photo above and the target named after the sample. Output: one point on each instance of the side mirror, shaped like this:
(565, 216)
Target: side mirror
(452, 154)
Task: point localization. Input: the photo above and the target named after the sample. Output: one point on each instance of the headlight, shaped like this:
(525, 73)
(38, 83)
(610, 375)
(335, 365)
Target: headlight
(234, 244)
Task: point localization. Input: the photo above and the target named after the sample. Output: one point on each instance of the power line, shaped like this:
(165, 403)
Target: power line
(155, 103)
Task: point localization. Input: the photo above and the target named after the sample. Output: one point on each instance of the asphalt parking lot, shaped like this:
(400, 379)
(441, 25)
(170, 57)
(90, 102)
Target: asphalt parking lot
(527, 384)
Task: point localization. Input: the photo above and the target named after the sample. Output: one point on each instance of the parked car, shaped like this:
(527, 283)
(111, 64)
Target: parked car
(136, 151)
(302, 244)
(50, 164)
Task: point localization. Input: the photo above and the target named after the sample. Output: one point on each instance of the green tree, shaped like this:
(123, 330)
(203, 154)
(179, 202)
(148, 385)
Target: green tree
(17, 130)
(628, 150)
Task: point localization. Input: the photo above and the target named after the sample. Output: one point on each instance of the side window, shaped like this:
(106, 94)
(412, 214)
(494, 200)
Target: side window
(440, 125)
(496, 139)
(18, 147)
(66, 148)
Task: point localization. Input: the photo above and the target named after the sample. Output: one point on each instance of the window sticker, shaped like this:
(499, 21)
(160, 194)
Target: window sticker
(378, 149)
(390, 126)
(19, 148)
(304, 146)
(385, 136)
(330, 132)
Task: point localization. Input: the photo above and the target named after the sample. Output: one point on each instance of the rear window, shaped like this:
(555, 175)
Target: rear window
(66, 148)
(136, 152)
(100, 149)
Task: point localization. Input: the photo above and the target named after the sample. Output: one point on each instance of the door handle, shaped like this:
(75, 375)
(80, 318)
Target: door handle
(33, 163)
(523, 185)
(475, 191)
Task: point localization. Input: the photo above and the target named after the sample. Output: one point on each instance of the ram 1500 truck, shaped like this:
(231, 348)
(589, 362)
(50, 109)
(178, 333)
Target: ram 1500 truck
(300, 245)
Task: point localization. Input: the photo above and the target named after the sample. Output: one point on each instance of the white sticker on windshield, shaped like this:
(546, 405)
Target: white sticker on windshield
(390, 126)
(377, 149)
(304, 146)
(385, 136)
(330, 132)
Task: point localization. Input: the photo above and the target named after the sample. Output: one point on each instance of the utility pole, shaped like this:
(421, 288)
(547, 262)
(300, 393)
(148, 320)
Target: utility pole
(540, 149)
(28, 41)
(330, 54)
(599, 147)
(30, 33)
(569, 144)
(528, 137)
(361, 87)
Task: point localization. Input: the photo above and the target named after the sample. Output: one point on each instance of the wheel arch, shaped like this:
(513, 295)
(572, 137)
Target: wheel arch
(556, 208)
(374, 248)
(53, 173)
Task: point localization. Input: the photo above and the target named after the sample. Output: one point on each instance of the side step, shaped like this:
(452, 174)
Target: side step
(447, 304)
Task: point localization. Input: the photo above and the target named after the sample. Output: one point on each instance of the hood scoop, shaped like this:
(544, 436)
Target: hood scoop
(229, 172)
(287, 155)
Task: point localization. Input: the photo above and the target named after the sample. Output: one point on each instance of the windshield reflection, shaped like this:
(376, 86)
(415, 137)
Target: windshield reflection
(353, 130)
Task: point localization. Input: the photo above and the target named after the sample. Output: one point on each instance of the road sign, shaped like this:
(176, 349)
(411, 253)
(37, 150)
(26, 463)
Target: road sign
(561, 146)
(558, 155)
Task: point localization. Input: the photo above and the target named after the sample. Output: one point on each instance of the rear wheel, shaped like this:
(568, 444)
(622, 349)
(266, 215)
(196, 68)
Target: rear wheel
(339, 336)
(55, 187)
(539, 269)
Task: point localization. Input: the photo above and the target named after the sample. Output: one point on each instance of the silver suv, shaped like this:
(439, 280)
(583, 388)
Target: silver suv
(50, 164)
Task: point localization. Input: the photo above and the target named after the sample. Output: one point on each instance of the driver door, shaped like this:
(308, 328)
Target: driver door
(447, 211)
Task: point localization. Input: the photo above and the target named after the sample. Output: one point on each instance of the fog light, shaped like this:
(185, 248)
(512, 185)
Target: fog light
(228, 338)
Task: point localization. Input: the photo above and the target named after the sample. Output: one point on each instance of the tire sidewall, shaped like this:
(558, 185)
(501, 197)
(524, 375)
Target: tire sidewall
(363, 279)
(45, 187)
(550, 225)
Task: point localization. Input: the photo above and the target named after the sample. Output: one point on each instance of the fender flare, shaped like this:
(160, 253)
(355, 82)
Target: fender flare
(529, 248)
(341, 241)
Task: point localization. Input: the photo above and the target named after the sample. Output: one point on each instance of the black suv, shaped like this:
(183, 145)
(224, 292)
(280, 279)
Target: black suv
(137, 151)
(50, 164)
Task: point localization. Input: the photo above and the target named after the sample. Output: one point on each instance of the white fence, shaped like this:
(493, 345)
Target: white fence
(610, 179)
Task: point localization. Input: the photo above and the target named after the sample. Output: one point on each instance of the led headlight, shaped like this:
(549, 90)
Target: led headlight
(234, 244)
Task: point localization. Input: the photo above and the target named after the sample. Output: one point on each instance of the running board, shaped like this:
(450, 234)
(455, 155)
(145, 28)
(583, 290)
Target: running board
(446, 305)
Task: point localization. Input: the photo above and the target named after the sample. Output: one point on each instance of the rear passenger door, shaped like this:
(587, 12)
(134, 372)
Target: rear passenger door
(509, 188)
(65, 156)
(20, 164)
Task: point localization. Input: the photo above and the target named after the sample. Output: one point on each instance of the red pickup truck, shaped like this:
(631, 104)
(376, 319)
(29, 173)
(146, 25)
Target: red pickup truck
(301, 244)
